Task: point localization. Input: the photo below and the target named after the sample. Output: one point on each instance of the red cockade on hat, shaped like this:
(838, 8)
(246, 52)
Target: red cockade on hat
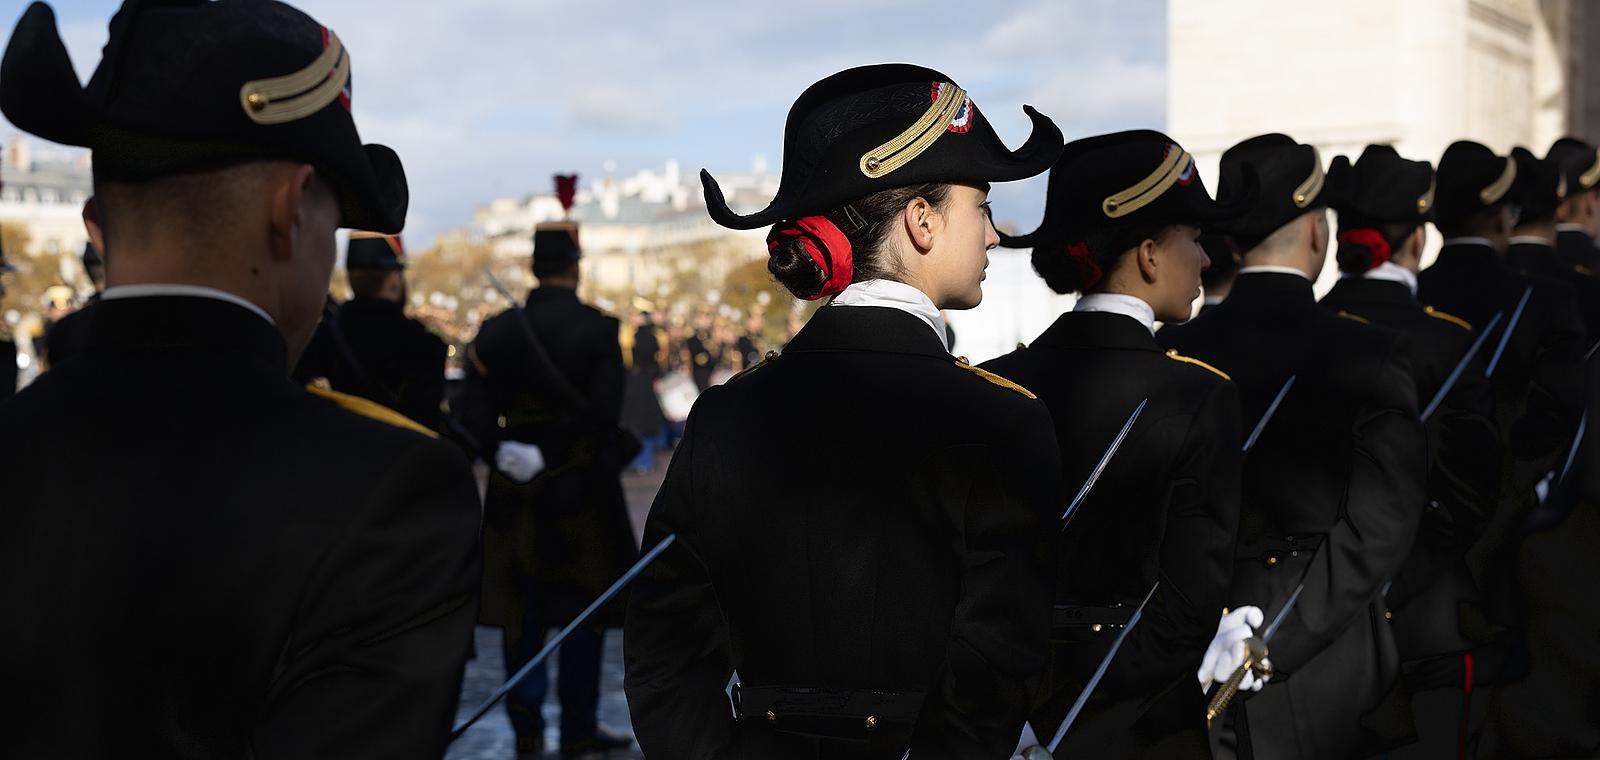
(826, 244)
(1092, 273)
(1372, 240)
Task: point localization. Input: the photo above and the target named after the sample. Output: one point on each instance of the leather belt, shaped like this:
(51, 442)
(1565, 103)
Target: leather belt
(845, 714)
(1076, 623)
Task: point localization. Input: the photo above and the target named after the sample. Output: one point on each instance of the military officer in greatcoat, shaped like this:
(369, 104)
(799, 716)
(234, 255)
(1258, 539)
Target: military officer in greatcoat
(206, 559)
(1166, 507)
(1382, 217)
(1334, 485)
(861, 524)
(368, 347)
(543, 398)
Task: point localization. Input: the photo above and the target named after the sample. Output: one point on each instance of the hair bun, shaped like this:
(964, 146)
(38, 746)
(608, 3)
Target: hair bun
(791, 265)
(1062, 272)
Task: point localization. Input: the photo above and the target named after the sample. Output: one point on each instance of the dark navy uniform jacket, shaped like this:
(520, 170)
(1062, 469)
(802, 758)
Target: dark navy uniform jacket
(862, 513)
(1333, 492)
(1166, 508)
(200, 558)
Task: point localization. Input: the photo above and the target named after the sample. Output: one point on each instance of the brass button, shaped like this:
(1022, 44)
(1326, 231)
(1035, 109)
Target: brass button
(1294, 554)
(772, 355)
(962, 360)
(873, 164)
(872, 721)
(1096, 627)
(501, 421)
(772, 715)
(1387, 615)
(256, 101)
(1272, 561)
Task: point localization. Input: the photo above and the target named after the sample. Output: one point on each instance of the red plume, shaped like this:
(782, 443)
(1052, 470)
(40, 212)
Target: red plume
(566, 190)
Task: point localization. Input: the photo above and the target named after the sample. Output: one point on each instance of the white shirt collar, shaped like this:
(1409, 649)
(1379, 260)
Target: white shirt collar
(1212, 300)
(1570, 227)
(1274, 269)
(1468, 241)
(1393, 272)
(193, 291)
(1531, 240)
(1119, 303)
(894, 295)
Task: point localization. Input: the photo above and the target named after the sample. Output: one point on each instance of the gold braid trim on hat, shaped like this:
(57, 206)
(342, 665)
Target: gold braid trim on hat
(1148, 189)
(1590, 176)
(1561, 188)
(1494, 192)
(1307, 191)
(911, 143)
(298, 95)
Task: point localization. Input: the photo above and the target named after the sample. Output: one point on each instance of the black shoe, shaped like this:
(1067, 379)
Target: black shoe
(603, 740)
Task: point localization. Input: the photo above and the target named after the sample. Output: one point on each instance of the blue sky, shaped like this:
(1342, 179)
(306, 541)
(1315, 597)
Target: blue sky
(488, 98)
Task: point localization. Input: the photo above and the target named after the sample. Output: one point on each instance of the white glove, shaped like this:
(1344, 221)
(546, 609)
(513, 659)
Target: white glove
(1227, 650)
(519, 461)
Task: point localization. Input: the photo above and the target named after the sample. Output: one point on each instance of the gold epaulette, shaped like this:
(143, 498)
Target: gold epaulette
(1451, 318)
(1354, 317)
(1174, 355)
(758, 365)
(961, 361)
(369, 409)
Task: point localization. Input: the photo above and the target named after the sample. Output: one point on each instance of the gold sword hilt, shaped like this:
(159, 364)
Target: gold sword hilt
(1255, 659)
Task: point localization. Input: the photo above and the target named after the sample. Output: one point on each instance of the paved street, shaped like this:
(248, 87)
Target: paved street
(491, 737)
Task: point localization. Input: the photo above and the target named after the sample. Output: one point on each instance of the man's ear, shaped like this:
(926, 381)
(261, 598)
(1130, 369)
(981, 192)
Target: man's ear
(289, 191)
(921, 222)
(95, 226)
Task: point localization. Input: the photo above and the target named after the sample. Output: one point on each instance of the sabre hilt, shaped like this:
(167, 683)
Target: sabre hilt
(1255, 659)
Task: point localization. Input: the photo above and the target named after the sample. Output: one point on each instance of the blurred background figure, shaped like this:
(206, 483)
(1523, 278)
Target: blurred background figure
(369, 347)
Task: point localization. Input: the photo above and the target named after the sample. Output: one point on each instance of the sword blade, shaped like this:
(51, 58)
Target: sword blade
(1510, 326)
(1267, 415)
(633, 572)
(1283, 614)
(1461, 366)
(1100, 672)
(1572, 453)
(500, 287)
(1105, 459)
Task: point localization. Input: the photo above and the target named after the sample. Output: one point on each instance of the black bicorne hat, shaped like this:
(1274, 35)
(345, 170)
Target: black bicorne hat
(1382, 187)
(1540, 186)
(873, 128)
(190, 85)
(1472, 178)
(556, 242)
(1288, 180)
(374, 251)
(1120, 180)
(1580, 164)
